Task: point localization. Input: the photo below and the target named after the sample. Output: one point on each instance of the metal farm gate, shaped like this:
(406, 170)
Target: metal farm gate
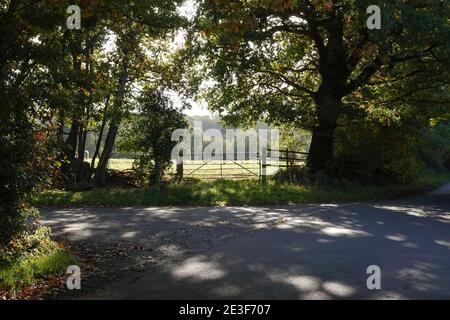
(251, 166)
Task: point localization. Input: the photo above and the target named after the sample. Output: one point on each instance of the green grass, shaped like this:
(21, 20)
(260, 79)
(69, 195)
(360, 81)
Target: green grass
(29, 258)
(25, 271)
(229, 192)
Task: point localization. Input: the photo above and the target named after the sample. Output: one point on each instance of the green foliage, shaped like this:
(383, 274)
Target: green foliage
(305, 177)
(29, 257)
(53, 80)
(26, 162)
(294, 139)
(434, 146)
(25, 150)
(389, 151)
(376, 152)
(309, 63)
(265, 55)
(149, 134)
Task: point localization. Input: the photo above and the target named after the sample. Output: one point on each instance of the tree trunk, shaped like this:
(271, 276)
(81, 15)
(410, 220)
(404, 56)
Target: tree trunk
(321, 149)
(100, 136)
(81, 150)
(100, 174)
(70, 154)
(71, 142)
(156, 175)
(60, 134)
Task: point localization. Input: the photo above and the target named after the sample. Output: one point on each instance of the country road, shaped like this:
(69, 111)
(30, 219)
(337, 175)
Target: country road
(314, 251)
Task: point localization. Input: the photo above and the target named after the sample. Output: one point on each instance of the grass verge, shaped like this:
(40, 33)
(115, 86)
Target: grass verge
(228, 192)
(29, 260)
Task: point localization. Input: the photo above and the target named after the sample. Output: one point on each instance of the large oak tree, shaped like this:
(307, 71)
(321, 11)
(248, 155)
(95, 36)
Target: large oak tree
(310, 62)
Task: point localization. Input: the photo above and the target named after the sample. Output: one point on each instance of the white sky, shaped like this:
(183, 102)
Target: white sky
(198, 108)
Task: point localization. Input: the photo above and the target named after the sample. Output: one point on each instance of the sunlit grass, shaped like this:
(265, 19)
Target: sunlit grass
(30, 257)
(120, 164)
(234, 192)
(27, 270)
(213, 169)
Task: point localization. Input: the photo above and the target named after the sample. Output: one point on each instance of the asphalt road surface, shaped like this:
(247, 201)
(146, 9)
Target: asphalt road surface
(316, 251)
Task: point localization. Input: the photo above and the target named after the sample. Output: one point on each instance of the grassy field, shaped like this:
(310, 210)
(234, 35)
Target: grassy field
(249, 169)
(234, 192)
(120, 164)
(206, 170)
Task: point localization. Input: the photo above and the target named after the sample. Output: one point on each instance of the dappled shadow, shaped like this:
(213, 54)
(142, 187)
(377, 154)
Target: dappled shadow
(284, 252)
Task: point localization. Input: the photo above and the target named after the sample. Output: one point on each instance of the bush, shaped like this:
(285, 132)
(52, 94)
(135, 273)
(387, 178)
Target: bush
(447, 161)
(149, 136)
(376, 152)
(25, 163)
(30, 256)
(306, 177)
(434, 146)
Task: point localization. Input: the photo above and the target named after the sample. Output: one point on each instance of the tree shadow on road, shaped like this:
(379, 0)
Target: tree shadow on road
(285, 252)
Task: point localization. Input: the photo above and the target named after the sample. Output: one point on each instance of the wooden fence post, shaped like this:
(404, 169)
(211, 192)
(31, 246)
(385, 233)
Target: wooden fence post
(258, 155)
(264, 166)
(287, 159)
(180, 170)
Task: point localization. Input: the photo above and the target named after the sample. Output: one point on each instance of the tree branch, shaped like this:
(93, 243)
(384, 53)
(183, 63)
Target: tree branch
(288, 81)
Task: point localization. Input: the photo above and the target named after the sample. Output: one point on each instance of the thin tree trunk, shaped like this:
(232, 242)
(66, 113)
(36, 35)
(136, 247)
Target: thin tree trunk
(70, 152)
(81, 150)
(100, 137)
(74, 130)
(156, 176)
(60, 135)
(100, 174)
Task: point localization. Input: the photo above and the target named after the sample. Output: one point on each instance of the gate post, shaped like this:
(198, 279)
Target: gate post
(180, 170)
(264, 166)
